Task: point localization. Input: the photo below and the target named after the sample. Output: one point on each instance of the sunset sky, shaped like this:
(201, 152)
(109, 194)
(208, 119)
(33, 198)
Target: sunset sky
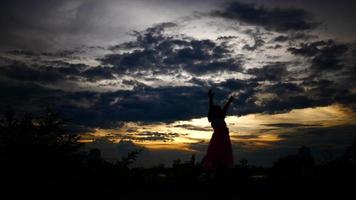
(135, 73)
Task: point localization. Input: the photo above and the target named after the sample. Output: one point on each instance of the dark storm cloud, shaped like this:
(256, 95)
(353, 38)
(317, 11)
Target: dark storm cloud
(26, 97)
(244, 102)
(327, 91)
(152, 50)
(48, 74)
(160, 104)
(272, 72)
(237, 84)
(257, 44)
(293, 36)
(330, 75)
(288, 95)
(283, 89)
(230, 37)
(151, 36)
(171, 103)
(289, 102)
(325, 55)
(22, 72)
(95, 109)
(98, 73)
(279, 19)
(37, 55)
(155, 51)
(280, 38)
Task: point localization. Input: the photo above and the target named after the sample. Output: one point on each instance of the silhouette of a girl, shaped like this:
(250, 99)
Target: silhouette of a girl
(219, 154)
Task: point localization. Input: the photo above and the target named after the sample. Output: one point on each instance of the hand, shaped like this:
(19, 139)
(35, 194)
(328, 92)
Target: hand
(210, 93)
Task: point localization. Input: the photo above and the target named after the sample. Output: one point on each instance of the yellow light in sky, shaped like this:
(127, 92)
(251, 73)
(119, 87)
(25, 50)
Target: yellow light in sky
(256, 129)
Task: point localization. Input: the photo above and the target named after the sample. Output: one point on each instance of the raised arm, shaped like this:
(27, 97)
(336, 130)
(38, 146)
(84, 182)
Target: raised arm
(227, 104)
(211, 96)
(211, 103)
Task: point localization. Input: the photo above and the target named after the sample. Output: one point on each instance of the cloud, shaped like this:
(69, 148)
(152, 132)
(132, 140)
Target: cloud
(192, 127)
(155, 136)
(52, 25)
(290, 125)
(324, 55)
(170, 103)
(28, 97)
(230, 37)
(277, 19)
(48, 74)
(284, 89)
(164, 77)
(271, 72)
(293, 36)
(98, 73)
(22, 72)
(280, 38)
(161, 54)
(150, 105)
(258, 42)
(162, 74)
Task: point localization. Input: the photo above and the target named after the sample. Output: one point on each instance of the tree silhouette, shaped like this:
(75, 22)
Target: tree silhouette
(37, 150)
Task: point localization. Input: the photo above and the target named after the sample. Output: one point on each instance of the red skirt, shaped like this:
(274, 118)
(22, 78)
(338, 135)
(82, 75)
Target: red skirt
(219, 155)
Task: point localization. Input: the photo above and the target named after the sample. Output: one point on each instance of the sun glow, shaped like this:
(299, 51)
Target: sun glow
(258, 130)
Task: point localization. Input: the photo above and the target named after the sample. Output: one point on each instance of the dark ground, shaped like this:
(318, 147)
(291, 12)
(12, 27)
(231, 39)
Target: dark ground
(40, 159)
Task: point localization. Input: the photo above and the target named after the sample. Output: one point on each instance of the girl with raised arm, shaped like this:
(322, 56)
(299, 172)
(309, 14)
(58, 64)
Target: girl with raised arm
(219, 154)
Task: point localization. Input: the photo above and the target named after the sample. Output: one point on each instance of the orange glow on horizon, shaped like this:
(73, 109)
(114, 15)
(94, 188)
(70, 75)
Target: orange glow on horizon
(259, 130)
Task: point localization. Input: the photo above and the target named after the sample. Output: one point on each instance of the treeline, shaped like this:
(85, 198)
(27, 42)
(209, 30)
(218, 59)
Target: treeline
(41, 158)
